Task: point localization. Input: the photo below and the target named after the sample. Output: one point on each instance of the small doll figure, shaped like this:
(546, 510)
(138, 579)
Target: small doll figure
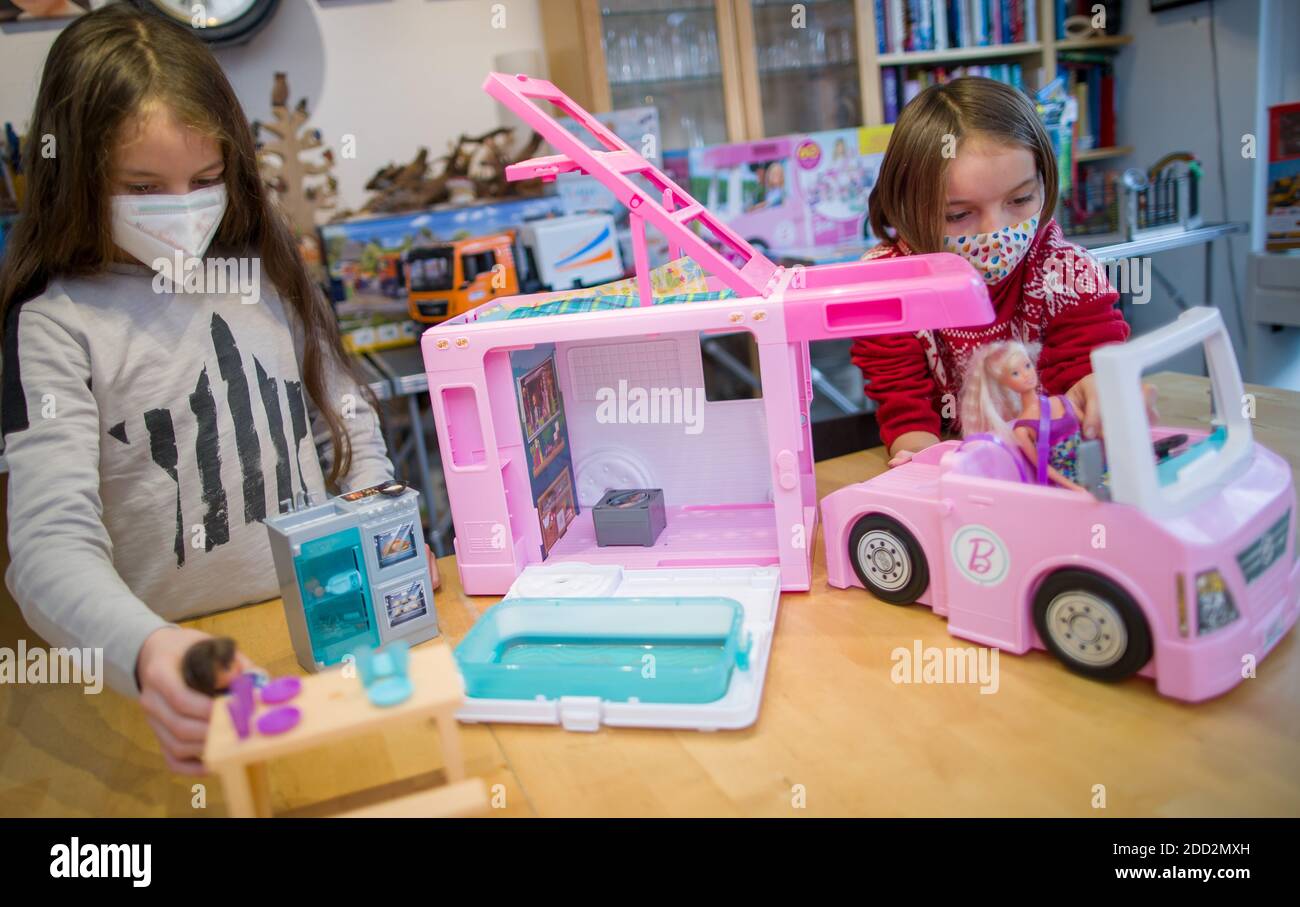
(1000, 397)
(209, 665)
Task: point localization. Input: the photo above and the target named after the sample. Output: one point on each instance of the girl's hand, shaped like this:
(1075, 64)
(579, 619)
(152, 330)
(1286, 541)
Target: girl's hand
(1084, 398)
(908, 444)
(434, 579)
(177, 714)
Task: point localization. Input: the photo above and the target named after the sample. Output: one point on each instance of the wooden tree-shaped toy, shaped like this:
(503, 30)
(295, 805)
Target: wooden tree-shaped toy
(286, 162)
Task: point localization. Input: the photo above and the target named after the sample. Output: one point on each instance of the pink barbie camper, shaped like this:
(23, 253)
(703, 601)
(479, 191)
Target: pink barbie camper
(789, 193)
(544, 403)
(1180, 566)
(782, 219)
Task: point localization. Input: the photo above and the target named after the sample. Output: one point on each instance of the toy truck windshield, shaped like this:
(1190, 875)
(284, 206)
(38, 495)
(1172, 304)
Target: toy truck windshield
(1184, 480)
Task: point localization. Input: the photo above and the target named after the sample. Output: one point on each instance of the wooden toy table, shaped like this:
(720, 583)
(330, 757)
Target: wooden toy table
(334, 705)
(833, 726)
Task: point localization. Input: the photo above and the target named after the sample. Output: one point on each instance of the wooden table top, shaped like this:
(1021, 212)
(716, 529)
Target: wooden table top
(835, 737)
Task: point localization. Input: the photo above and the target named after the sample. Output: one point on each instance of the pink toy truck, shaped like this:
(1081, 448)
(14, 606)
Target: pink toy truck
(536, 397)
(1188, 573)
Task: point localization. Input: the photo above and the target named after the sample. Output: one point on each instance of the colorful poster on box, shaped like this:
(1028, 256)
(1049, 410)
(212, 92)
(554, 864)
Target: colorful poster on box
(1283, 200)
(365, 255)
(792, 192)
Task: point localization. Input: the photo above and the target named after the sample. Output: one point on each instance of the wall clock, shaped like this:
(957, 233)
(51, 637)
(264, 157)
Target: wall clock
(223, 21)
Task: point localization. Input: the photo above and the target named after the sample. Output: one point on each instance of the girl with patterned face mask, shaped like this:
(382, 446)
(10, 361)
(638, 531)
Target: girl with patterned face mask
(971, 171)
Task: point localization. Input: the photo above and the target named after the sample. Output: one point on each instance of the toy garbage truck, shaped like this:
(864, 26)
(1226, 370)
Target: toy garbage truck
(566, 252)
(353, 573)
(444, 280)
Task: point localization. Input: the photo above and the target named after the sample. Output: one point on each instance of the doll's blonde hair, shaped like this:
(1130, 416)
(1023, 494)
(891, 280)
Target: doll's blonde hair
(987, 406)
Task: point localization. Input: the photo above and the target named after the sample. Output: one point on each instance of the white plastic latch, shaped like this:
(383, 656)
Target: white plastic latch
(580, 713)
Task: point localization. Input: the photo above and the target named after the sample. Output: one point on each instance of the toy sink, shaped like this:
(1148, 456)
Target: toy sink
(583, 645)
(644, 649)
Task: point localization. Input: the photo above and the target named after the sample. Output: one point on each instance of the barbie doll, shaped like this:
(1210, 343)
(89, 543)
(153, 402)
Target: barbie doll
(1000, 397)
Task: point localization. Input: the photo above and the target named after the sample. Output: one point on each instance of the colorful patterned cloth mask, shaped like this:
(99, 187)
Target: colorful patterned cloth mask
(994, 254)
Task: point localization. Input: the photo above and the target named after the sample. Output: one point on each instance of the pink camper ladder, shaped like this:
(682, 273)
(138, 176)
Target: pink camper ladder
(673, 212)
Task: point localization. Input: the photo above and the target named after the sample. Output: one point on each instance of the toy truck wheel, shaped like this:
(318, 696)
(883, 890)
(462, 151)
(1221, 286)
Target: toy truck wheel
(888, 559)
(1091, 625)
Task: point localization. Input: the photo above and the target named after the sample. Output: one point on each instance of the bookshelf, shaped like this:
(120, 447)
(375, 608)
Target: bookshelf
(749, 85)
(1038, 58)
(961, 54)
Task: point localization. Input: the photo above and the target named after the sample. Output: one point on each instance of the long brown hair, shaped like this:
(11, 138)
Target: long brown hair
(908, 200)
(101, 70)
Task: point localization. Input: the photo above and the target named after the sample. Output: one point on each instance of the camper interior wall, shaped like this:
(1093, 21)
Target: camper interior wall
(642, 399)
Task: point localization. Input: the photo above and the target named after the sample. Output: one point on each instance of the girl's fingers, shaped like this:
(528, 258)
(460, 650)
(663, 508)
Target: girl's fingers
(183, 728)
(185, 702)
(184, 766)
(434, 578)
(1150, 394)
(173, 746)
(1091, 412)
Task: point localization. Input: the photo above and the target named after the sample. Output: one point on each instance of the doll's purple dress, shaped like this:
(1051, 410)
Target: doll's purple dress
(1063, 439)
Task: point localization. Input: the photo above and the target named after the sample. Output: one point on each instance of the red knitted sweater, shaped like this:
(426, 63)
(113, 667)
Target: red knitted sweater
(1058, 296)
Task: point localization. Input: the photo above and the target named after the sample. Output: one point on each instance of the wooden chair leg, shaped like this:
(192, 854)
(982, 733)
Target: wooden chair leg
(237, 784)
(259, 779)
(449, 732)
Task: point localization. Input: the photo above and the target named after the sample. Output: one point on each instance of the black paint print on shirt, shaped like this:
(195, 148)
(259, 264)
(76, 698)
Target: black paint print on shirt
(231, 366)
(207, 448)
(206, 409)
(275, 421)
(162, 447)
(298, 413)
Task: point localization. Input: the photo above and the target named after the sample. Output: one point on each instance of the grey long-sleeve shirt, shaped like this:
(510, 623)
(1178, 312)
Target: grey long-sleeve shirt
(148, 435)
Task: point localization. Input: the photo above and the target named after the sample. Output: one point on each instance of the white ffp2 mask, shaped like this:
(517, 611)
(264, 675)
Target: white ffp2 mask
(151, 227)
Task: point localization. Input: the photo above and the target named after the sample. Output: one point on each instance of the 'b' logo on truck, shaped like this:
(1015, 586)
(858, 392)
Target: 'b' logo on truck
(980, 555)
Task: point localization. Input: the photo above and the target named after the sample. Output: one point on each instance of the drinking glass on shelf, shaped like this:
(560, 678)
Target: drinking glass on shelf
(846, 44)
(650, 53)
(677, 51)
(695, 51)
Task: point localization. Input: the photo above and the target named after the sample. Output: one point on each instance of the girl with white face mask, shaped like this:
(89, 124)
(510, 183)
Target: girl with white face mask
(150, 425)
(970, 170)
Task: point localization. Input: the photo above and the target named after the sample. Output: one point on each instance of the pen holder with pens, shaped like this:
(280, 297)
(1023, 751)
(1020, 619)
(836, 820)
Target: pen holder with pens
(353, 573)
(1165, 199)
